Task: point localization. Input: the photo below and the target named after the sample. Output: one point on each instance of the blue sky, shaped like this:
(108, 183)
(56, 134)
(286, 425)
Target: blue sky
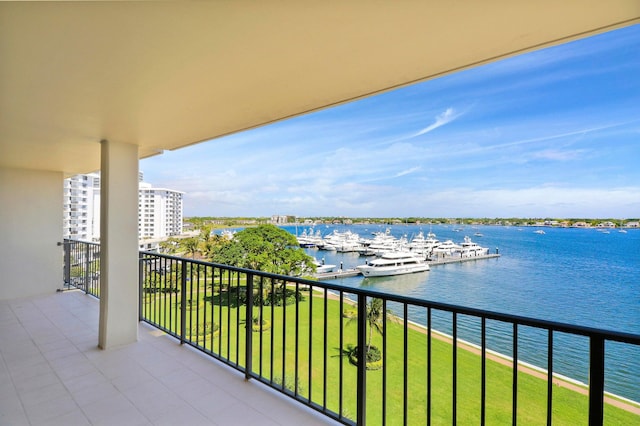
(553, 133)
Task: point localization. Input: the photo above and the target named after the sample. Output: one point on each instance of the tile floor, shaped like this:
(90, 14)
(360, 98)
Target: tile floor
(52, 373)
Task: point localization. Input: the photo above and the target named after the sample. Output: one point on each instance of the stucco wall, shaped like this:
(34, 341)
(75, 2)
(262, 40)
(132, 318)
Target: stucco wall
(30, 228)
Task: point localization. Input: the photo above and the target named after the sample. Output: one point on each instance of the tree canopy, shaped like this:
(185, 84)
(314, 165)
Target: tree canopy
(264, 248)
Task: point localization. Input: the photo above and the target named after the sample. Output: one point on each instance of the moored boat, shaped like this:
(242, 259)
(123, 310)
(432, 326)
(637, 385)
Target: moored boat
(321, 267)
(471, 249)
(446, 248)
(394, 263)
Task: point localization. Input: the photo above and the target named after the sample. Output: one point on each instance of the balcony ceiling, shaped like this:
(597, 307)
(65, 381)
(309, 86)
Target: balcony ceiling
(164, 75)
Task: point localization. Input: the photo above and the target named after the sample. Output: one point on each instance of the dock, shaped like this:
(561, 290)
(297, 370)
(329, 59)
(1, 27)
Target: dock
(352, 272)
(338, 274)
(457, 259)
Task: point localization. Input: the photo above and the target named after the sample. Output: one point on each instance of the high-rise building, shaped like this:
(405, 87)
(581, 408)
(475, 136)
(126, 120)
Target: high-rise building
(159, 209)
(81, 204)
(159, 212)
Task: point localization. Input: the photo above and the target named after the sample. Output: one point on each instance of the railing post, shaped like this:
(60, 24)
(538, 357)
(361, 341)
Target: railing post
(183, 301)
(596, 381)
(249, 330)
(86, 268)
(361, 387)
(140, 283)
(66, 245)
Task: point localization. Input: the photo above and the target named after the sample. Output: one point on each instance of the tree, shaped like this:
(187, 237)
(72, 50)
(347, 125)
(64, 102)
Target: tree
(375, 321)
(205, 233)
(169, 246)
(375, 318)
(212, 244)
(191, 245)
(264, 248)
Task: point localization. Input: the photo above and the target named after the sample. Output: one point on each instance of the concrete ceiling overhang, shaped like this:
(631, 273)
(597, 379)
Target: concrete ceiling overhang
(164, 75)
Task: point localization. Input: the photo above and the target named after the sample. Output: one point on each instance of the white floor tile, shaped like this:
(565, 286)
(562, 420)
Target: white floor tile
(74, 418)
(51, 409)
(52, 373)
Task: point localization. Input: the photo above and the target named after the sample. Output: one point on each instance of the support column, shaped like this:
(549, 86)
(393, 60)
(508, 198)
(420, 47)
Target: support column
(119, 245)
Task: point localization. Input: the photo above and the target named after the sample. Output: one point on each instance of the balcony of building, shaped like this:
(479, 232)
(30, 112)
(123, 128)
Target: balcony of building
(53, 373)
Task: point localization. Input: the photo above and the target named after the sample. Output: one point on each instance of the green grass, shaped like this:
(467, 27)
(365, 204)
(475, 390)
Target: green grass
(569, 407)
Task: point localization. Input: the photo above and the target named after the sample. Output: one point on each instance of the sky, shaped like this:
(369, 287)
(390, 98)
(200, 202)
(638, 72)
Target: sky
(549, 134)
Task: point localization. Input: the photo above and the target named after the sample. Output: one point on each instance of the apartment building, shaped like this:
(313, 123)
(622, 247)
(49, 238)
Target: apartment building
(159, 212)
(159, 209)
(81, 207)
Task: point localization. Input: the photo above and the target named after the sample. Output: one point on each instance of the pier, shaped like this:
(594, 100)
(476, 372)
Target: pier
(457, 259)
(338, 274)
(352, 272)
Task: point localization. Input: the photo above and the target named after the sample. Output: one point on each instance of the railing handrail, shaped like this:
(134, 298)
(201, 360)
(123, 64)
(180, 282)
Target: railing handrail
(612, 335)
(91, 243)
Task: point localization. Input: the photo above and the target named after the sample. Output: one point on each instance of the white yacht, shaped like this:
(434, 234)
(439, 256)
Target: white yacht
(382, 242)
(394, 263)
(342, 241)
(305, 239)
(471, 249)
(447, 248)
(420, 244)
(322, 267)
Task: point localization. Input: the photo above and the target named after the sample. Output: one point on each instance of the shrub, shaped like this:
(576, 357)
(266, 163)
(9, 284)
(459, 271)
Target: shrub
(200, 332)
(289, 384)
(374, 358)
(255, 324)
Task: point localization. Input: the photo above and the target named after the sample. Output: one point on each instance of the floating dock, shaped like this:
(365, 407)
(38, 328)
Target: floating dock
(338, 274)
(457, 259)
(432, 262)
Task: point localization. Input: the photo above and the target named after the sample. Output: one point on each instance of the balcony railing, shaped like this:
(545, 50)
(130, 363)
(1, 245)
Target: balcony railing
(82, 266)
(309, 340)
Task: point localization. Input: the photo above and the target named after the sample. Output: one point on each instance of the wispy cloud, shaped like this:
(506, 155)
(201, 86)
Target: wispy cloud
(445, 117)
(408, 171)
(558, 155)
(548, 137)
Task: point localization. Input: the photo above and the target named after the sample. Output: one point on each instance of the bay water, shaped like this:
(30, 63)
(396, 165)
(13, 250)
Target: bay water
(588, 277)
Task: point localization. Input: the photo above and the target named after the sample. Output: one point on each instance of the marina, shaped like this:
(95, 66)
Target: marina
(577, 276)
(393, 255)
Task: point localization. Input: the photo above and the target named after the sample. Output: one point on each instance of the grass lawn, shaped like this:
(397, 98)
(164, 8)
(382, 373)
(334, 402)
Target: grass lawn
(313, 355)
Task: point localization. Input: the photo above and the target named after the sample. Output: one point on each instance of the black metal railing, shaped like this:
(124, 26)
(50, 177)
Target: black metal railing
(82, 266)
(310, 341)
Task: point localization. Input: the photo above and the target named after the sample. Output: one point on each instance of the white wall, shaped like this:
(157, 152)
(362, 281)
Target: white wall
(30, 228)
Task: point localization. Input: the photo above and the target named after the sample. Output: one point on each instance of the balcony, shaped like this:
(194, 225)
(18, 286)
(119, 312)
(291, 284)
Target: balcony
(51, 372)
(312, 334)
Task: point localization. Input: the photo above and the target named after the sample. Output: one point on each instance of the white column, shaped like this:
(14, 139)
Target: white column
(119, 245)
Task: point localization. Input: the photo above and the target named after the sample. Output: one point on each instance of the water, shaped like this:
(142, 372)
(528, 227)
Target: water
(576, 276)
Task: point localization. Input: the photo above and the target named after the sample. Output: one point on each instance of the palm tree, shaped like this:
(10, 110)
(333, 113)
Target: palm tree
(205, 233)
(191, 246)
(375, 318)
(169, 246)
